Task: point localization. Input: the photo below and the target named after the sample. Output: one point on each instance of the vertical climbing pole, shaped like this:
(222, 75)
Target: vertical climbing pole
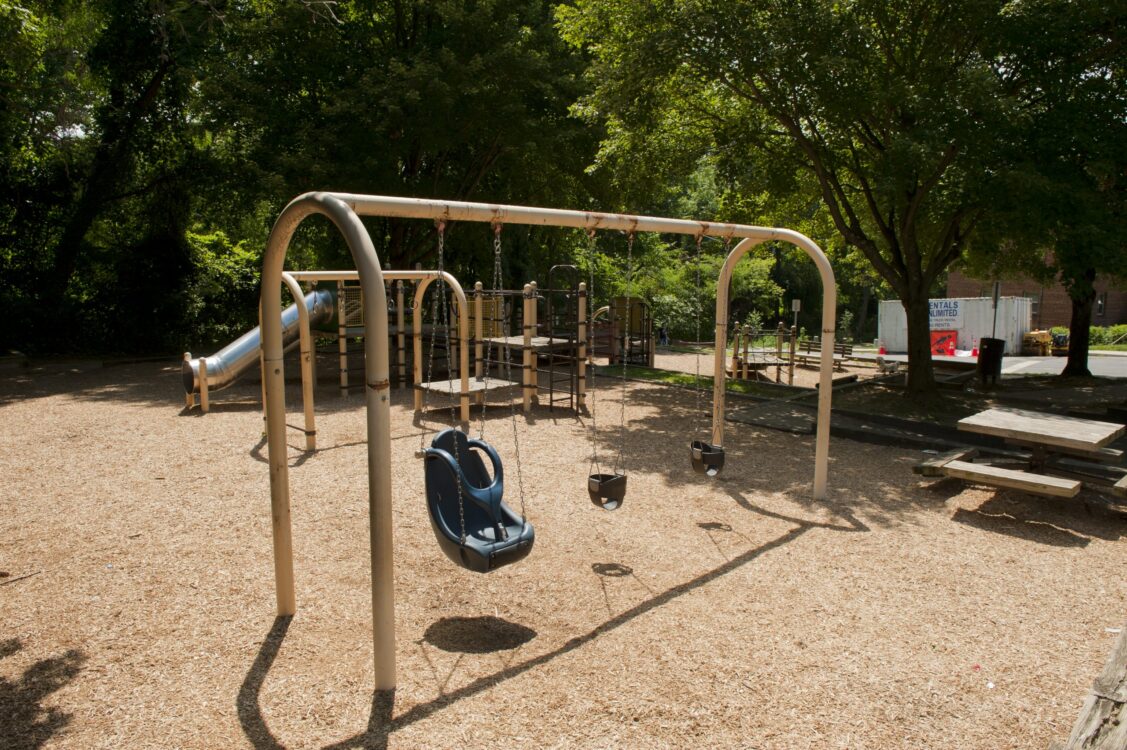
(528, 327)
(400, 335)
(479, 350)
(306, 349)
(342, 339)
(581, 352)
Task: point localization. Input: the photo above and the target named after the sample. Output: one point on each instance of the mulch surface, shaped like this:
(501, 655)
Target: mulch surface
(137, 595)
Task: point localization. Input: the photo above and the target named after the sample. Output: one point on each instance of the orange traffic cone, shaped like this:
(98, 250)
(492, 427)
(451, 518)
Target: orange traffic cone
(951, 347)
(974, 348)
(881, 351)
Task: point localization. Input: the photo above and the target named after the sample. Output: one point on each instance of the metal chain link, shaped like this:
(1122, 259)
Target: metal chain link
(442, 318)
(591, 317)
(489, 339)
(621, 460)
(513, 420)
(697, 310)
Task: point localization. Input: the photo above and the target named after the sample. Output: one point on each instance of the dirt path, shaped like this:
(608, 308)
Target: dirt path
(138, 606)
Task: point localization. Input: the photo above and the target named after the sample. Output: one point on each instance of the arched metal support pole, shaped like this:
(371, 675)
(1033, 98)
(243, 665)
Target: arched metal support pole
(825, 377)
(306, 347)
(377, 407)
(425, 278)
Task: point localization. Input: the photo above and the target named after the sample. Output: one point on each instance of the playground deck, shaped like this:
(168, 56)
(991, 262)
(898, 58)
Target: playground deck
(138, 601)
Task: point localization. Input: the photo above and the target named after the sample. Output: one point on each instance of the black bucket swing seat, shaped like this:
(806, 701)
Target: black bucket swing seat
(707, 458)
(474, 528)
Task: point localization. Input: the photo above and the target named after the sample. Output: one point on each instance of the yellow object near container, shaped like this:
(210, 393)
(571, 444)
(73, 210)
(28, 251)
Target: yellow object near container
(1037, 344)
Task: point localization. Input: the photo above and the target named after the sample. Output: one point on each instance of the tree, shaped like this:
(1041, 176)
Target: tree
(1061, 212)
(443, 98)
(899, 116)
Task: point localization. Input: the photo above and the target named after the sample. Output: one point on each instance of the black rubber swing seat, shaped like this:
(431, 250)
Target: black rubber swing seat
(474, 528)
(707, 458)
(607, 491)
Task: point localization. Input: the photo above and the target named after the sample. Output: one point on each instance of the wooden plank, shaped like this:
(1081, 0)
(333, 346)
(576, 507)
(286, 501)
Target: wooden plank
(454, 387)
(933, 467)
(1037, 484)
(1120, 487)
(1102, 455)
(1102, 724)
(1044, 429)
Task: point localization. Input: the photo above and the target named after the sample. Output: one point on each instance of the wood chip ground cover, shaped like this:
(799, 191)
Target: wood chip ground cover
(138, 609)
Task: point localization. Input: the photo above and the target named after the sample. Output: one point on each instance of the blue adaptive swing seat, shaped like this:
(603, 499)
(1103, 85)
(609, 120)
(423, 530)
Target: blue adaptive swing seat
(474, 528)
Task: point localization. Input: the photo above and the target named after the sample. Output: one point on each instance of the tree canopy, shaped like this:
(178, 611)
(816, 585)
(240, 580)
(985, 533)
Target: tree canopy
(901, 118)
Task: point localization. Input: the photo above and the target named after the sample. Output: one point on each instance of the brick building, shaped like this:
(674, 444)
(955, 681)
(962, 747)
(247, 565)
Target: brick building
(1051, 305)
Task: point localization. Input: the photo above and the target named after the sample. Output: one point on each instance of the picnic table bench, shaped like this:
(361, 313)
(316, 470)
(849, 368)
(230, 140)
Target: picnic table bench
(1061, 444)
(810, 351)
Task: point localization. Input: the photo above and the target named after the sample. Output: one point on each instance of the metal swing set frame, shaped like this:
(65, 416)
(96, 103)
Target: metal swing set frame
(344, 211)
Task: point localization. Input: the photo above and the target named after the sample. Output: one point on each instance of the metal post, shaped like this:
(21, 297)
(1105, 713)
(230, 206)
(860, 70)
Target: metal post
(581, 353)
(417, 342)
(479, 349)
(793, 344)
(203, 385)
(190, 396)
(528, 325)
(779, 352)
(342, 339)
(305, 339)
(400, 338)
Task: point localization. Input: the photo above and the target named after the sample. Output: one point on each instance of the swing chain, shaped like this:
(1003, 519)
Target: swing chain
(591, 317)
(698, 311)
(440, 316)
(621, 460)
(489, 339)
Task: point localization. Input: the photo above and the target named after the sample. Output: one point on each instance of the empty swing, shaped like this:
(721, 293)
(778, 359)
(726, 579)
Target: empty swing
(483, 534)
(608, 491)
(707, 459)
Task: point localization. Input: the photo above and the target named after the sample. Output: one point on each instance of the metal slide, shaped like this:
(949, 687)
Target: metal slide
(226, 365)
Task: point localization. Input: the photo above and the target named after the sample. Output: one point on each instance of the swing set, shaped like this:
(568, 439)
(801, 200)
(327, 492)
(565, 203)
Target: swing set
(474, 527)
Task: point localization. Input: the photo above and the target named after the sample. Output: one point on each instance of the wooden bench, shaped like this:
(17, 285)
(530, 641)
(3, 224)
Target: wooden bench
(952, 464)
(995, 476)
(810, 351)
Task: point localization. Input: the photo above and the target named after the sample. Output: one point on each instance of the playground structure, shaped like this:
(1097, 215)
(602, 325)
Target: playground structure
(623, 332)
(549, 347)
(344, 210)
(755, 351)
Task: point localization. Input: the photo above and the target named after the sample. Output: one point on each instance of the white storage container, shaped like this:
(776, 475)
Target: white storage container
(971, 317)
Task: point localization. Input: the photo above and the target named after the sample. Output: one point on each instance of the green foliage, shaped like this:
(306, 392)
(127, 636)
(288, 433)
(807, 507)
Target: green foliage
(126, 125)
(1116, 334)
(903, 124)
(220, 301)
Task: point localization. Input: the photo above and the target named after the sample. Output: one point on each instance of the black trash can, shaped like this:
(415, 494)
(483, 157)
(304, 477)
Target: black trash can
(990, 353)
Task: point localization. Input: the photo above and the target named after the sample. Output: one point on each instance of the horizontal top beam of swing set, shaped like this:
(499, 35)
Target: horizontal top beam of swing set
(493, 213)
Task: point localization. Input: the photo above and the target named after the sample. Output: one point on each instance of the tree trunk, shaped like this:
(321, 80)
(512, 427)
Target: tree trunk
(1082, 294)
(921, 376)
(863, 312)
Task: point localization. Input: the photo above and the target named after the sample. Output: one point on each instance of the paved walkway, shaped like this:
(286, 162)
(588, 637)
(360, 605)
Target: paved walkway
(1101, 364)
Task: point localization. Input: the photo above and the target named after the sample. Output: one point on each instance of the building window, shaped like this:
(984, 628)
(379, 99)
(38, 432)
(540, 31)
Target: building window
(1101, 304)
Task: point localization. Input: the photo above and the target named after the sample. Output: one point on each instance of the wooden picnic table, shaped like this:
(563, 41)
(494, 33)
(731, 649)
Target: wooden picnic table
(1052, 431)
(1051, 440)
